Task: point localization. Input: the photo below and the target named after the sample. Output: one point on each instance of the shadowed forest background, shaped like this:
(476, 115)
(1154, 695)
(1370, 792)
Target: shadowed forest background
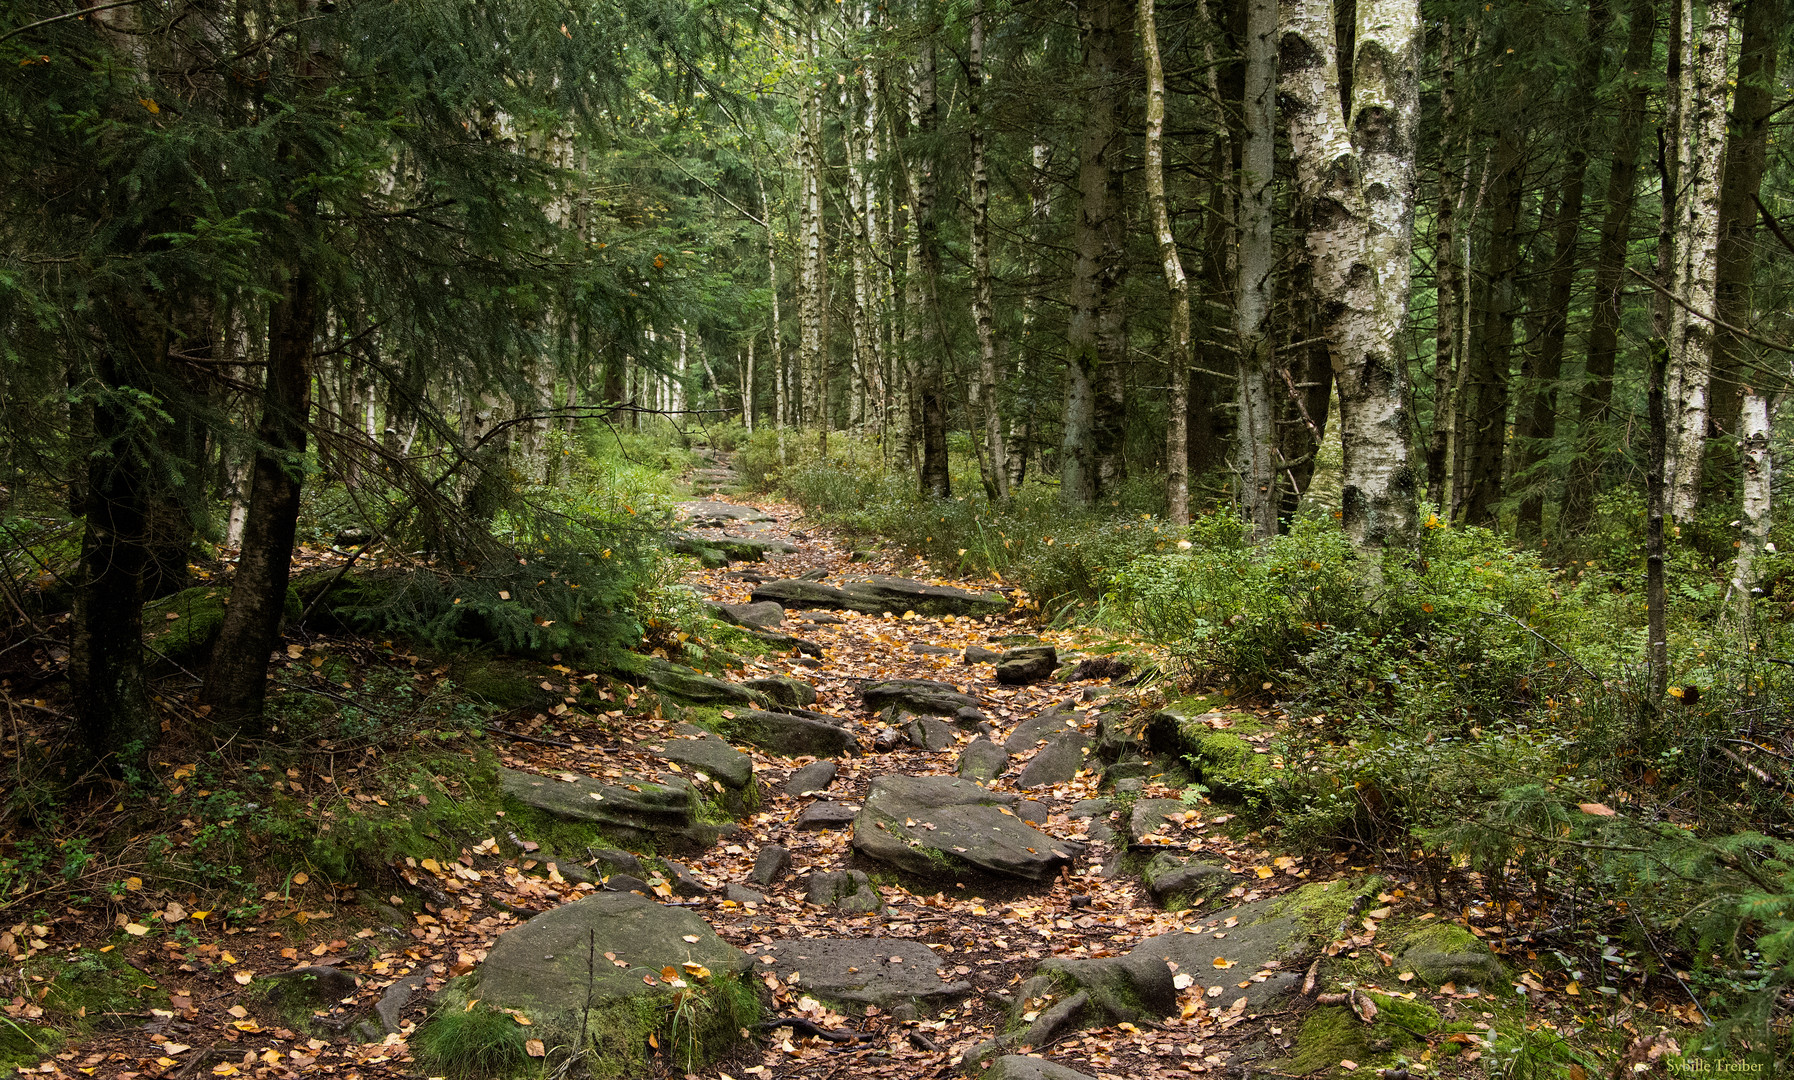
(1409, 374)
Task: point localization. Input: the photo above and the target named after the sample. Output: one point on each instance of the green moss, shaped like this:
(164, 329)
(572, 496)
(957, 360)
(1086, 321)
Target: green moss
(1334, 1033)
(503, 683)
(1323, 905)
(86, 988)
(25, 1045)
(692, 1028)
(1445, 952)
(181, 629)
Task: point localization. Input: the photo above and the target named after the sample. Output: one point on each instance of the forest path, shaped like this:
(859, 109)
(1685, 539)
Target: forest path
(988, 932)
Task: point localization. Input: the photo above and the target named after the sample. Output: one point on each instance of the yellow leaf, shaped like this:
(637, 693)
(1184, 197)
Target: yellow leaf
(1265, 872)
(1223, 962)
(534, 1048)
(150, 104)
(696, 970)
(136, 929)
(244, 978)
(431, 865)
(132, 884)
(522, 1019)
(301, 878)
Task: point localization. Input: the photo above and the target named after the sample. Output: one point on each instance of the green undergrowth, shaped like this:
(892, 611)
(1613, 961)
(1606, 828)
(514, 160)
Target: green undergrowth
(1333, 1034)
(79, 992)
(620, 1038)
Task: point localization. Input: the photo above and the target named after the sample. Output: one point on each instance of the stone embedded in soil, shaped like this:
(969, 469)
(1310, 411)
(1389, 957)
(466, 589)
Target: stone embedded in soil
(1149, 815)
(782, 690)
(1054, 721)
(708, 514)
(684, 881)
(307, 989)
(927, 733)
(626, 883)
(541, 967)
(694, 686)
(848, 891)
(1179, 882)
(613, 861)
(771, 861)
(791, 736)
(978, 654)
(876, 594)
(826, 814)
(1030, 663)
(732, 548)
(1056, 762)
(958, 825)
(853, 973)
(1256, 944)
(982, 760)
(921, 697)
(1073, 994)
(741, 894)
(1018, 1067)
(761, 616)
(653, 810)
(1442, 952)
(814, 777)
(821, 618)
(787, 643)
(714, 757)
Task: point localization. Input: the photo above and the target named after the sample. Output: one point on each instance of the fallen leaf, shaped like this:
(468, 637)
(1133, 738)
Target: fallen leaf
(1597, 809)
(534, 1048)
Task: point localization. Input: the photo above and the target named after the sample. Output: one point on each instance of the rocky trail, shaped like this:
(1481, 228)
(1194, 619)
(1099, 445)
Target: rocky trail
(930, 840)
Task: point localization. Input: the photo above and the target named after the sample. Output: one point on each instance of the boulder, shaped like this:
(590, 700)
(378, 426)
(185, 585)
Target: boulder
(920, 697)
(611, 861)
(1030, 663)
(972, 718)
(1444, 952)
(927, 733)
(982, 760)
(978, 654)
(959, 826)
(1099, 667)
(783, 691)
(852, 973)
(826, 814)
(791, 736)
(733, 548)
(1056, 762)
(1018, 1067)
(684, 881)
(759, 616)
(772, 861)
(1054, 721)
(1178, 882)
(712, 756)
(814, 777)
(847, 891)
(876, 594)
(741, 894)
(787, 643)
(1095, 811)
(541, 966)
(1275, 944)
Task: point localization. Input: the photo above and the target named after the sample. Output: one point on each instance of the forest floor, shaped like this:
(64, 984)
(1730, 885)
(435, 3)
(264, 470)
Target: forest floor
(201, 1009)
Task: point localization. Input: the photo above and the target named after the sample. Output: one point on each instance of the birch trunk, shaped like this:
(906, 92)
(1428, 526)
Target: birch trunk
(1177, 431)
(1040, 208)
(993, 462)
(810, 276)
(1360, 238)
(1257, 411)
(747, 389)
(1701, 149)
(1755, 416)
(1445, 281)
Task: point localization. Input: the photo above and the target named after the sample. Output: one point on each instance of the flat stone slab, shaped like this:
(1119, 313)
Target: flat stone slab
(826, 814)
(982, 760)
(696, 687)
(941, 824)
(1018, 1067)
(876, 594)
(656, 807)
(850, 892)
(1264, 956)
(541, 966)
(927, 733)
(712, 756)
(760, 616)
(1026, 664)
(921, 697)
(792, 736)
(782, 690)
(711, 514)
(857, 972)
(1054, 721)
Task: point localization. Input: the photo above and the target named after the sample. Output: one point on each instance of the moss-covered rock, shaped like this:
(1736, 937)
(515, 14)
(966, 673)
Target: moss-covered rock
(503, 683)
(180, 630)
(1321, 906)
(1441, 953)
(1334, 1033)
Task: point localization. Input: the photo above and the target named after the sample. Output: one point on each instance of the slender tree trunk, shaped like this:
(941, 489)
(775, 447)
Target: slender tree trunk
(1756, 417)
(1492, 355)
(1445, 278)
(1593, 414)
(1537, 422)
(1257, 413)
(1746, 159)
(1701, 151)
(747, 389)
(1040, 208)
(781, 407)
(1656, 499)
(1086, 449)
(811, 273)
(924, 331)
(236, 682)
(994, 459)
(1359, 183)
(1177, 435)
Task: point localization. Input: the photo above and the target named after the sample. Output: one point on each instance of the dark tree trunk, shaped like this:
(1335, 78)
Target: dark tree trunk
(1492, 352)
(111, 702)
(236, 683)
(1537, 422)
(1595, 407)
(1095, 334)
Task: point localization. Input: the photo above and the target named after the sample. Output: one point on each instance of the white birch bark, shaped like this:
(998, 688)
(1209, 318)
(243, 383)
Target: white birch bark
(1177, 431)
(1756, 422)
(995, 459)
(1361, 196)
(1701, 149)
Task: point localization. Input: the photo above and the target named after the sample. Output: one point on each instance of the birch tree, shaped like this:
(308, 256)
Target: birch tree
(1257, 411)
(1177, 432)
(1359, 184)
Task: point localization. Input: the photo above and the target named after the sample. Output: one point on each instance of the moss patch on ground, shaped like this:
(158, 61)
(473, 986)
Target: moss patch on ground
(1334, 1033)
(1322, 905)
(25, 1045)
